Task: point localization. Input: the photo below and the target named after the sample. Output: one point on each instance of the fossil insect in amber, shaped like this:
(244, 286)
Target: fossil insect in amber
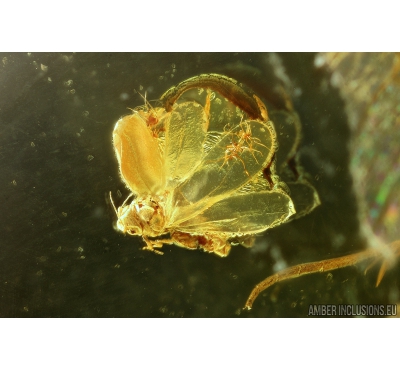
(194, 167)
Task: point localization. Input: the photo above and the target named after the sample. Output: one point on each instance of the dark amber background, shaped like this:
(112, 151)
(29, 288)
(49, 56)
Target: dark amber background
(77, 265)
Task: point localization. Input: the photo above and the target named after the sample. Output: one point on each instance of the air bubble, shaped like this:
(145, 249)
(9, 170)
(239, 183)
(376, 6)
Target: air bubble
(124, 96)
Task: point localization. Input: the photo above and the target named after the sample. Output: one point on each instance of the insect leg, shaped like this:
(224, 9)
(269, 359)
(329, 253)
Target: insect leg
(323, 266)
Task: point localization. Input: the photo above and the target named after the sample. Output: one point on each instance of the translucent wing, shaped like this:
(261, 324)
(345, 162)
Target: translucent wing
(139, 156)
(304, 196)
(185, 132)
(243, 213)
(229, 162)
(288, 128)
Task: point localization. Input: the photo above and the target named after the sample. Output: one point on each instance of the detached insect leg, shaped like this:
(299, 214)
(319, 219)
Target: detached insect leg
(151, 245)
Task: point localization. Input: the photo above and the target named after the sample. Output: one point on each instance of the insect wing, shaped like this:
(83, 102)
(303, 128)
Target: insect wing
(185, 132)
(304, 196)
(138, 155)
(223, 171)
(288, 127)
(243, 213)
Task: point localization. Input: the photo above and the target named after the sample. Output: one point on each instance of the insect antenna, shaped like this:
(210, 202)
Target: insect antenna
(129, 196)
(112, 202)
(123, 204)
(147, 104)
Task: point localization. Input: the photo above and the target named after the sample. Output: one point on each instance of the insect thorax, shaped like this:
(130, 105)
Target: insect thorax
(143, 216)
